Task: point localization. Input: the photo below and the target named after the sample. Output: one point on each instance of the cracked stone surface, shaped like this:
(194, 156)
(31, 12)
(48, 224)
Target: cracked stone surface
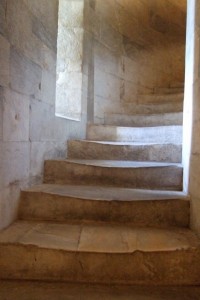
(98, 238)
(99, 253)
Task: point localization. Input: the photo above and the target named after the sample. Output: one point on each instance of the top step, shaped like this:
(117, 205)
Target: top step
(164, 97)
(139, 120)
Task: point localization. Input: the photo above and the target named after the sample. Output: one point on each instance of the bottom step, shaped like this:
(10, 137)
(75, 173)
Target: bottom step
(26, 290)
(102, 253)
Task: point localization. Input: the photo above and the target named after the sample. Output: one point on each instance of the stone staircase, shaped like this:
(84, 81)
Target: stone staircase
(113, 212)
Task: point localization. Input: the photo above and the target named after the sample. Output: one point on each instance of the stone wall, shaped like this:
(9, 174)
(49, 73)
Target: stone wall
(191, 140)
(138, 48)
(29, 130)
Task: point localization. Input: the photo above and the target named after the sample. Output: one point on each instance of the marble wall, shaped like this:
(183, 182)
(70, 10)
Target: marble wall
(29, 130)
(191, 141)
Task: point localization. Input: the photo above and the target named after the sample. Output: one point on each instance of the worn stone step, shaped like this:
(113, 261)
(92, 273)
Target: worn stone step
(149, 175)
(158, 134)
(105, 150)
(151, 108)
(61, 203)
(15, 290)
(161, 98)
(169, 90)
(138, 120)
(99, 253)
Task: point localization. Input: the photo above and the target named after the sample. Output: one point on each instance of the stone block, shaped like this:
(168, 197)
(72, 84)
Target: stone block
(92, 21)
(106, 9)
(111, 38)
(106, 85)
(1, 164)
(38, 153)
(48, 87)
(42, 117)
(16, 161)
(47, 11)
(105, 59)
(43, 34)
(128, 91)
(129, 69)
(88, 55)
(129, 26)
(15, 117)
(4, 57)
(3, 26)
(9, 204)
(25, 75)
(101, 105)
(48, 59)
(19, 23)
(1, 113)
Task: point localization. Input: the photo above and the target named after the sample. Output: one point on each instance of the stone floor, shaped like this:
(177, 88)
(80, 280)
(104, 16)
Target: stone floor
(20, 290)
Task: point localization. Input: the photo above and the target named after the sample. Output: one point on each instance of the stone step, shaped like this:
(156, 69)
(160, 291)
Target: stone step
(149, 175)
(158, 134)
(151, 108)
(143, 120)
(169, 90)
(99, 253)
(161, 98)
(15, 290)
(62, 203)
(83, 149)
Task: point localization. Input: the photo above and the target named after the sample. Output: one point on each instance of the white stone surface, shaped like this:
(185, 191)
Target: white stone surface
(48, 85)
(191, 144)
(42, 117)
(25, 75)
(16, 158)
(5, 53)
(70, 44)
(28, 71)
(39, 152)
(15, 117)
(1, 113)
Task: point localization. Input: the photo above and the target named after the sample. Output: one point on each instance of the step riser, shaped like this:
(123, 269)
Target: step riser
(53, 207)
(144, 120)
(64, 172)
(141, 268)
(160, 153)
(165, 134)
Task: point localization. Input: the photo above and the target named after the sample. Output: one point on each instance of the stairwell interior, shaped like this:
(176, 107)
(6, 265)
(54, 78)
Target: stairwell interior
(111, 207)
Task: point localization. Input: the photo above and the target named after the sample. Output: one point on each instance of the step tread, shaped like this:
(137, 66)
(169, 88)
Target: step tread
(117, 163)
(135, 127)
(106, 193)
(117, 143)
(98, 237)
